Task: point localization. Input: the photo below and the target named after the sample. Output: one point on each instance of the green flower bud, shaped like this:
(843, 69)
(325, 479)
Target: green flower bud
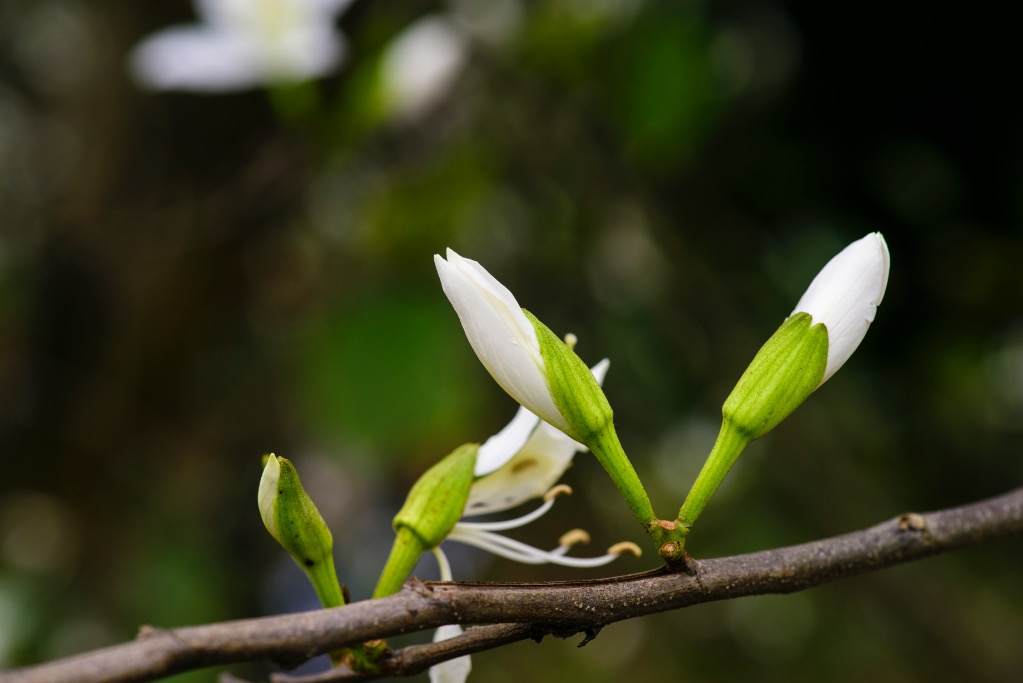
(436, 501)
(827, 325)
(433, 506)
(291, 517)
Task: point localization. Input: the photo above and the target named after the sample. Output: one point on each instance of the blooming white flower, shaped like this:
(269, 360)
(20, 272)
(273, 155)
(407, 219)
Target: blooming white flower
(845, 295)
(499, 332)
(242, 44)
(522, 462)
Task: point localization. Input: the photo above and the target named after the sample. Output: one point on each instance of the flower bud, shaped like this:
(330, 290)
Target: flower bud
(291, 517)
(436, 501)
(433, 507)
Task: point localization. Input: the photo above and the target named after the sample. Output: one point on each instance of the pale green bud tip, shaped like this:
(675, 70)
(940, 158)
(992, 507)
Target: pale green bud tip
(436, 501)
(782, 375)
(576, 392)
(268, 492)
(290, 515)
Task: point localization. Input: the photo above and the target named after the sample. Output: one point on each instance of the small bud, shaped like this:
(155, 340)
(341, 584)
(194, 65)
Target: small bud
(291, 517)
(433, 506)
(435, 502)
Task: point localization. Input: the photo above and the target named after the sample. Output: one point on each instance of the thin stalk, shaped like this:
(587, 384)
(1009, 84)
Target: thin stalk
(730, 443)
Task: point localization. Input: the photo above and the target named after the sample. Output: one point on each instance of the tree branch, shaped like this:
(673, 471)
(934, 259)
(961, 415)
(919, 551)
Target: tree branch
(521, 611)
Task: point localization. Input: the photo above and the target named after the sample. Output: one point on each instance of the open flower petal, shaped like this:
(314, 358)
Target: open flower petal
(845, 294)
(523, 461)
(241, 44)
(537, 466)
(502, 447)
(500, 333)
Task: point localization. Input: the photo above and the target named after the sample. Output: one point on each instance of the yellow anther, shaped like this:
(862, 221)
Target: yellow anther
(625, 547)
(559, 490)
(573, 537)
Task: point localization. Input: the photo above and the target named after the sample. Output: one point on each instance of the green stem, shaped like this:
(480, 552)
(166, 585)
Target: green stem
(404, 554)
(730, 443)
(323, 576)
(608, 449)
(324, 580)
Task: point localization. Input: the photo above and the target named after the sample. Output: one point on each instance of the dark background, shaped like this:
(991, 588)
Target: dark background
(187, 282)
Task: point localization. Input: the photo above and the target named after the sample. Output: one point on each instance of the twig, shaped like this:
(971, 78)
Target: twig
(558, 607)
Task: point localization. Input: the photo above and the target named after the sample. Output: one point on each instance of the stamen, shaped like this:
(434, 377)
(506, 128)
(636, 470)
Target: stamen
(520, 552)
(573, 537)
(625, 547)
(509, 523)
(559, 490)
(443, 564)
(571, 340)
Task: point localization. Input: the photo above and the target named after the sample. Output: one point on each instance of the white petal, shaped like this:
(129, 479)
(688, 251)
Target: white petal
(197, 59)
(242, 44)
(845, 294)
(499, 333)
(302, 53)
(523, 461)
(600, 371)
(537, 467)
(454, 670)
(502, 447)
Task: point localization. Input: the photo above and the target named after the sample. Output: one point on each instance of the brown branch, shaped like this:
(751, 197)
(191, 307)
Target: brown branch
(560, 607)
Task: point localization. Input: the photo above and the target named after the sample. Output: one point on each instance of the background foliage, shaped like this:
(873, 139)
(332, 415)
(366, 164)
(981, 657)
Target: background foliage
(186, 282)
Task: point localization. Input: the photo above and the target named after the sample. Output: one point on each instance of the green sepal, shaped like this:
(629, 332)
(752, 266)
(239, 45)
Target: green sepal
(786, 370)
(575, 391)
(436, 502)
(581, 401)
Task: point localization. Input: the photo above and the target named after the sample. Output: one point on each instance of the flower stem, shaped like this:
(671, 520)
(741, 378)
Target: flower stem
(730, 443)
(404, 554)
(608, 449)
(324, 580)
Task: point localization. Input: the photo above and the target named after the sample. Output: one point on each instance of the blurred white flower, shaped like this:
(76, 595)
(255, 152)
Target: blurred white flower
(421, 64)
(845, 295)
(242, 44)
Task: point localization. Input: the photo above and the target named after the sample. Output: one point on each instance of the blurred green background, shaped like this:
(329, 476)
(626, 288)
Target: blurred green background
(187, 282)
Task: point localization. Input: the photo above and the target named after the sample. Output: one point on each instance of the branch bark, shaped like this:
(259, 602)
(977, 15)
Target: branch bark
(519, 611)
